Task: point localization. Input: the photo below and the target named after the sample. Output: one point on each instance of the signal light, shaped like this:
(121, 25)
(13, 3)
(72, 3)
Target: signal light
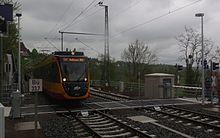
(205, 62)
(215, 65)
(179, 67)
(206, 66)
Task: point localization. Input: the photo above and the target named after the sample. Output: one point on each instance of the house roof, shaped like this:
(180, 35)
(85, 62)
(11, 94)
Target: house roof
(24, 50)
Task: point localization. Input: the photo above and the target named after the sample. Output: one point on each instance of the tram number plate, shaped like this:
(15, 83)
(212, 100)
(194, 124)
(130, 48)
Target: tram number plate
(35, 85)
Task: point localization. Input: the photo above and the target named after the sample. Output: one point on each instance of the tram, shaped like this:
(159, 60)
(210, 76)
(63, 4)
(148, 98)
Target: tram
(65, 75)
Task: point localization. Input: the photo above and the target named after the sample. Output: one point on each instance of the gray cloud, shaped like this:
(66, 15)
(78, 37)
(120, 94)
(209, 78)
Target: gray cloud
(44, 19)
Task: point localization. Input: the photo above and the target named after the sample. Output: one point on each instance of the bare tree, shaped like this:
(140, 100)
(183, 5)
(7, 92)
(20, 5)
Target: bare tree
(16, 4)
(136, 54)
(190, 47)
(216, 55)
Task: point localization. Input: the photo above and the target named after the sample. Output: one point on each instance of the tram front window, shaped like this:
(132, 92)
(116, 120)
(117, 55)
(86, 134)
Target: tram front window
(74, 71)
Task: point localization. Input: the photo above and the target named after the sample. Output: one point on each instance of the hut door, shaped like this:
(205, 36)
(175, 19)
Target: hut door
(166, 88)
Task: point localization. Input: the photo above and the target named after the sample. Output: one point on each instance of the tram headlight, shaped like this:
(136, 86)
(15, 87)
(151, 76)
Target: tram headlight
(64, 79)
(85, 79)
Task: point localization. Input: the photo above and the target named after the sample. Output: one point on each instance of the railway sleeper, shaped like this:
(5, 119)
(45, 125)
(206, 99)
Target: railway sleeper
(102, 125)
(134, 137)
(91, 117)
(78, 126)
(111, 132)
(187, 115)
(195, 117)
(126, 134)
(214, 122)
(203, 119)
(97, 122)
(106, 128)
(83, 134)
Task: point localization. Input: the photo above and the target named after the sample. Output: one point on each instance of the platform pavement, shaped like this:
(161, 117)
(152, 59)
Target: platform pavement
(197, 101)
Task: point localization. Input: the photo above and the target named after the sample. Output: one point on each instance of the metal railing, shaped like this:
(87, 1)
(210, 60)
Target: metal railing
(193, 92)
(130, 88)
(186, 91)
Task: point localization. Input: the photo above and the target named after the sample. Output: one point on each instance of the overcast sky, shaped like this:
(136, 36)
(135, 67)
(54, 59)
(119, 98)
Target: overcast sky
(145, 20)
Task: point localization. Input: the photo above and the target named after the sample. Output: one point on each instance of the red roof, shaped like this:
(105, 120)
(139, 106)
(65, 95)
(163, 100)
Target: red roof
(24, 51)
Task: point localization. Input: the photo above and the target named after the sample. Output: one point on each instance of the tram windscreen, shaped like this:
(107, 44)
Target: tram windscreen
(73, 71)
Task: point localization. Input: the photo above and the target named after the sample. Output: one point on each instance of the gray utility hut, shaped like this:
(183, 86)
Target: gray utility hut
(158, 85)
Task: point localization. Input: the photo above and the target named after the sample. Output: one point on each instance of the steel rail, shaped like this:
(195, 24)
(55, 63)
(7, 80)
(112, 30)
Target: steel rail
(195, 112)
(135, 131)
(188, 119)
(113, 94)
(94, 133)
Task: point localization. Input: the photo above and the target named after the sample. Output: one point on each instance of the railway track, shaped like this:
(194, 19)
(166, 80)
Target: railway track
(110, 96)
(99, 124)
(196, 117)
(189, 119)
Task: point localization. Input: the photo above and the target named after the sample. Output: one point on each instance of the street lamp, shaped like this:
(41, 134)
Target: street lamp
(19, 53)
(203, 75)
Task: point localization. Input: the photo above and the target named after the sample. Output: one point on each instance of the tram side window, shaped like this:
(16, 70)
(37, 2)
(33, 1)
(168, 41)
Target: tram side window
(37, 73)
(47, 72)
(54, 72)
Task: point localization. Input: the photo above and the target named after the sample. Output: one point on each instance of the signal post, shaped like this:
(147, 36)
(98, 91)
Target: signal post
(214, 77)
(35, 85)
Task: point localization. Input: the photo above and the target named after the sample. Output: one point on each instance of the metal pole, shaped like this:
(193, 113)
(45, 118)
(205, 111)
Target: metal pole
(107, 41)
(35, 116)
(2, 65)
(203, 73)
(105, 49)
(61, 41)
(19, 55)
(139, 85)
(106, 46)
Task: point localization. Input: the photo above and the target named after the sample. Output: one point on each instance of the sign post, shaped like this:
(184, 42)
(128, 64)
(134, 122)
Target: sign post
(35, 85)
(213, 86)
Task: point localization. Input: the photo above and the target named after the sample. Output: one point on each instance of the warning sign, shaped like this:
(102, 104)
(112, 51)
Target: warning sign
(213, 81)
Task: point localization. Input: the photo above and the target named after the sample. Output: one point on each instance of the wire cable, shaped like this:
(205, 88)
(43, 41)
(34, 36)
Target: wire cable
(51, 44)
(156, 18)
(124, 10)
(88, 46)
(81, 13)
(86, 17)
(60, 18)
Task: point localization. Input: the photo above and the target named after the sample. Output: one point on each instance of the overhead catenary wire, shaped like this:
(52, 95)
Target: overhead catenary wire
(87, 46)
(124, 10)
(64, 13)
(61, 17)
(81, 13)
(153, 19)
(86, 17)
(51, 44)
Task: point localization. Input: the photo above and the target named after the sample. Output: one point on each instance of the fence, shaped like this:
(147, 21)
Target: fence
(186, 91)
(6, 93)
(136, 89)
(127, 88)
